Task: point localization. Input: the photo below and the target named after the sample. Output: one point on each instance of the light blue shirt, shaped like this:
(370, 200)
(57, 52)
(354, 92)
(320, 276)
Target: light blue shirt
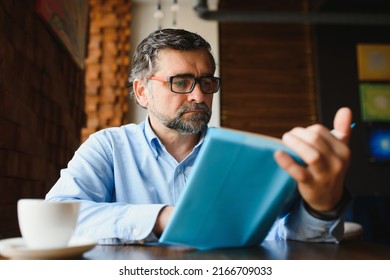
(123, 176)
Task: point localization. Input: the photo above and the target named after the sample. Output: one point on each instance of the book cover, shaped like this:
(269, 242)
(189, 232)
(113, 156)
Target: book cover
(234, 193)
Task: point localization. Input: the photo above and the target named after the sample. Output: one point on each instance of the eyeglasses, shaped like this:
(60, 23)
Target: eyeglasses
(186, 84)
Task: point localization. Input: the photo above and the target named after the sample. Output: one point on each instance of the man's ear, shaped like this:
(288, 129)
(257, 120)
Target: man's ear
(140, 92)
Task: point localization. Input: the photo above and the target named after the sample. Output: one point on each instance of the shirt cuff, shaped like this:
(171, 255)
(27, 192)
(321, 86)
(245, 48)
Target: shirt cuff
(135, 228)
(141, 225)
(300, 225)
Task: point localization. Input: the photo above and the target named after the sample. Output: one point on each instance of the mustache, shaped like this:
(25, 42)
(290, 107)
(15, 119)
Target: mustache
(193, 106)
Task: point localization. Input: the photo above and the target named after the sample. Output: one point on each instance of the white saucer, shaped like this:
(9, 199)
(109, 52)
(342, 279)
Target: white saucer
(15, 248)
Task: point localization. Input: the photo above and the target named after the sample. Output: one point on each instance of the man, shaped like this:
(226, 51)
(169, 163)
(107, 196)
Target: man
(129, 178)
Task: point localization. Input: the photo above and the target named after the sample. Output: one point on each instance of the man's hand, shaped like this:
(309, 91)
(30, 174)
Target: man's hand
(327, 156)
(162, 219)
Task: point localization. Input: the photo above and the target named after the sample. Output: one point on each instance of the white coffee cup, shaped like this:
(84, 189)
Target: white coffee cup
(46, 225)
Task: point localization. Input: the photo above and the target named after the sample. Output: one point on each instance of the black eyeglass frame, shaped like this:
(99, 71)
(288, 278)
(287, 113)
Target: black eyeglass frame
(170, 79)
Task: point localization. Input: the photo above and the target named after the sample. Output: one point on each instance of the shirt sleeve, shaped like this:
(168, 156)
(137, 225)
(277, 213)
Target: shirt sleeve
(89, 178)
(300, 225)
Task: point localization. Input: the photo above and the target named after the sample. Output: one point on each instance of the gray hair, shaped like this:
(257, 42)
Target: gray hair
(144, 59)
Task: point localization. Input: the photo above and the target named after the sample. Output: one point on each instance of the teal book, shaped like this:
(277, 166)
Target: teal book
(234, 193)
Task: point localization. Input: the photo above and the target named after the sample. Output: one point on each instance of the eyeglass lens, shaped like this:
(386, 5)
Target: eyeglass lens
(186, 84)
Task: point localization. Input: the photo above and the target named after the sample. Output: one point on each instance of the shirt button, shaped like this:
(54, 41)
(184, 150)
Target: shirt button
(135, 231)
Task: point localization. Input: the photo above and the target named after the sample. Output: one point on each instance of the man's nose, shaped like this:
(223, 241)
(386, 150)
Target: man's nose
(196, 95)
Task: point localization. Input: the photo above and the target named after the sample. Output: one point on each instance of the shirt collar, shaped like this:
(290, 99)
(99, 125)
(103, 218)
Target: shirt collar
(151, 137)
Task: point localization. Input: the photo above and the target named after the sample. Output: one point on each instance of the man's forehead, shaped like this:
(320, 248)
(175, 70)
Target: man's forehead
(167, 58)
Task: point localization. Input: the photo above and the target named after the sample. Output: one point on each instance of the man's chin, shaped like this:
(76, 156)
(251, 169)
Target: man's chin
(193, 127)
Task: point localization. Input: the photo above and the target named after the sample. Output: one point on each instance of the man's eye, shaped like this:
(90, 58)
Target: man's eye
(206, 83)
(182, 83)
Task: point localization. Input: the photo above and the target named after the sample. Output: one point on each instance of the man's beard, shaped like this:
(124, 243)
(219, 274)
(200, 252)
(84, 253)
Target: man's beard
(193, 123)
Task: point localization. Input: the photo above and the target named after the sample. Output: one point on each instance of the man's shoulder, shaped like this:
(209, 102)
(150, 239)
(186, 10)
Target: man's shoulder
(117, 134)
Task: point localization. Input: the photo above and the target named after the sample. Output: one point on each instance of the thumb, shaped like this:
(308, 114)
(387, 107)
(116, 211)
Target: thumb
(342, 124)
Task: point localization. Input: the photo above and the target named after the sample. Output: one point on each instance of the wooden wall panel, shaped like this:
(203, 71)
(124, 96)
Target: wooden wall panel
(268, 81)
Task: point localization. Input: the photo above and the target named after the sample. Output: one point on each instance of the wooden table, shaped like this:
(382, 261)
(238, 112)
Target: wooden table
(269, 250)
(206, 263)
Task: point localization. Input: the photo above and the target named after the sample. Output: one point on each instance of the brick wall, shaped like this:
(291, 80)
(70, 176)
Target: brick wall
(41, 108)
(107, 65)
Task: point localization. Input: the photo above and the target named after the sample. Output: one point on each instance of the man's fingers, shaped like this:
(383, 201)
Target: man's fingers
(342, 124)
(297, 171)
